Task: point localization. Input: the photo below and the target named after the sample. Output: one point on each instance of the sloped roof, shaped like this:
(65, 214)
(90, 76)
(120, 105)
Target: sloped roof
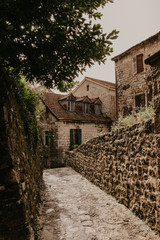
(155, 36)
(96, 100)
(53, 103)
(108, 85)
(102, 82)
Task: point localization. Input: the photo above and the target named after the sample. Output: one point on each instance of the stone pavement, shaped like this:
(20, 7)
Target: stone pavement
(75, 209)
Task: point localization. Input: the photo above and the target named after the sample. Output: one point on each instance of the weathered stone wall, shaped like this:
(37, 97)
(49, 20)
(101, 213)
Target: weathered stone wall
(129, 83)
(51, 153)
(88, 131)
(20, 170)
(55, 152)
(126, 164)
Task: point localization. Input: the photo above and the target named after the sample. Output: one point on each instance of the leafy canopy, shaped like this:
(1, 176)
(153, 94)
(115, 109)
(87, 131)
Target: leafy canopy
(51, 41)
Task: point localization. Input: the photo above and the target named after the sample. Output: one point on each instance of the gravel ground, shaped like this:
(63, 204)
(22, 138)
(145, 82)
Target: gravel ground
(75, 209)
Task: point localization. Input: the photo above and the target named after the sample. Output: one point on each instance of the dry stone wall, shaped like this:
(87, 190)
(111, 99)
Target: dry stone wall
(126, 164)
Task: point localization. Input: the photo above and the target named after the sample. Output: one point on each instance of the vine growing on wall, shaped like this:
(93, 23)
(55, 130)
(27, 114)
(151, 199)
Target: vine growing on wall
(30, 109)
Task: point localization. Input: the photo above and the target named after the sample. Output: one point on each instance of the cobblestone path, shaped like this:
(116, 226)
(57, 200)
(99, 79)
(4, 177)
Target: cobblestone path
(75, 209)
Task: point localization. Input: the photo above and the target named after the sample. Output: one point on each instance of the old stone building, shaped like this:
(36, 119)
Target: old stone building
(68, 121)
(153, 81)
(131, 72)
(94, 88)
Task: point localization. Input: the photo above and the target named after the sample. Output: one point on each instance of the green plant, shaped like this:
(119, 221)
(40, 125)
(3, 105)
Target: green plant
(141, 114)
(145, 113)
(30, 110)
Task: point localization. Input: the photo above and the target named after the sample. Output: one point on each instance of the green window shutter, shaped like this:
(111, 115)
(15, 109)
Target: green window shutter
(79, 136)
(71, 137)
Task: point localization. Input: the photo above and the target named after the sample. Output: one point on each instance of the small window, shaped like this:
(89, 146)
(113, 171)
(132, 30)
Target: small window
(86, 107)
(140, 100)
(75, 137)
(71, 106)
(97, 109)
(47, 138)
(138, 63)
(87, 87)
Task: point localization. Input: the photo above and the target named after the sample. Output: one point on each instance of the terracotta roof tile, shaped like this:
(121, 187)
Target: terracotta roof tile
(51, 100)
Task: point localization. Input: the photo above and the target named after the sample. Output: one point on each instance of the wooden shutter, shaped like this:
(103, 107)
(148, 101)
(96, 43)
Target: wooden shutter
(139, 59)
(79, 136)
(134, 65)
(71, 137)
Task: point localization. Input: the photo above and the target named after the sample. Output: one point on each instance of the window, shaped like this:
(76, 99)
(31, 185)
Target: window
(140, 100)
(87, 87)
(97, 109)
(138, 63)
(71, 106)
(47, 138)
(48, 135)
(75, 137)
(86, 107)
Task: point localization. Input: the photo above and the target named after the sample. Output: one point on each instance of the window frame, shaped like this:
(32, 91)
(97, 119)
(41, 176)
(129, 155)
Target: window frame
(48, 137)
(75, 136)
(136, 99)
(138, 64)
(71, 106)
(99, 109)
(86, 108)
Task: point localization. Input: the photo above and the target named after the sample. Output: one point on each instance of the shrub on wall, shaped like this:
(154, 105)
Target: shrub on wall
(141, 114)
(30, 110)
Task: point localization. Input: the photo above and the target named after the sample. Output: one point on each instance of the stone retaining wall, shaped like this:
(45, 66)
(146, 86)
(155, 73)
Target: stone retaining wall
(20, 170)
(126, 164)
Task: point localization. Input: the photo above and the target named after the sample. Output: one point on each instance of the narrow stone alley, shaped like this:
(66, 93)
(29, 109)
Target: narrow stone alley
(75, 209)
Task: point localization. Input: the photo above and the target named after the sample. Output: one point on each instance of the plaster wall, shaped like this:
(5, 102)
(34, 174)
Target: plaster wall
(106, 95)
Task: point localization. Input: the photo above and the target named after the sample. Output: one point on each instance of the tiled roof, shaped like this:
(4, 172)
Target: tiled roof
(104, 83)
(53, 103)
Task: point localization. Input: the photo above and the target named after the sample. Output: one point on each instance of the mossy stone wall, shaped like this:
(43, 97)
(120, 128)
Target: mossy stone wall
(20, 169)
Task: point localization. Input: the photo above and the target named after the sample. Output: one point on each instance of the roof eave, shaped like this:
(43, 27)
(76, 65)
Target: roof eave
(128, 50)
(152, 59)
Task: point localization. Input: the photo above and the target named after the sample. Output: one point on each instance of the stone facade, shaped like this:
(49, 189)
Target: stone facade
(94, 88)
(54, 153)
(126, 164)
(20, 169)
(63, 129)
(153, 81)
(131, 73)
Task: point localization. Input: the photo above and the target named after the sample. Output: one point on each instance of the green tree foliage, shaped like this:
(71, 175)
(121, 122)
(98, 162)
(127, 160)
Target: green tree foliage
(51, 41)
